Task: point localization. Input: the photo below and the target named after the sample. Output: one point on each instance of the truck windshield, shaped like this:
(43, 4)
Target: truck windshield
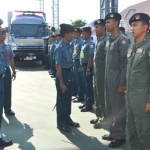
(28, 30)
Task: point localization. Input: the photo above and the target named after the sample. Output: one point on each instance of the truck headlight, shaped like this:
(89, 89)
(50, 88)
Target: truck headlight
(14, 46)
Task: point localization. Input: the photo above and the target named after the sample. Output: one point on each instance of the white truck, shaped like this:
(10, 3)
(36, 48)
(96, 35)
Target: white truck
(26, 31)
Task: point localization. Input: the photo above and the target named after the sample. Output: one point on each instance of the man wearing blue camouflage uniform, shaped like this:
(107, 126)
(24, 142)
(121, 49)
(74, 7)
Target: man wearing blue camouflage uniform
(86, 67)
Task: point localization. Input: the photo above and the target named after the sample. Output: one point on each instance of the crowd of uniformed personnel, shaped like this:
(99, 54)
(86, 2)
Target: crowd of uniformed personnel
(113, 73)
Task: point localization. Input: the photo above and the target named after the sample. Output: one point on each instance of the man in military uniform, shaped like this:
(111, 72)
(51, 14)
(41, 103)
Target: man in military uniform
(9, 62)
(58, 38)
(64, 64)
(2, 74)
(77, 43)
(86, 62)
(122, 29)
(52, 50)
(46, 52)
(116, 62)
(138, 84)
(99, 73)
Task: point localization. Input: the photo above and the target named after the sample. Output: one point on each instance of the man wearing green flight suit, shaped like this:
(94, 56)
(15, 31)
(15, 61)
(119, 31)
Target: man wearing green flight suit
(116, 63)
(138, 84)
(99, 73)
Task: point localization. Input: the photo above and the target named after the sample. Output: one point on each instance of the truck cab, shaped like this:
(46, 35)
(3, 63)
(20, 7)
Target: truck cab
(26, 33)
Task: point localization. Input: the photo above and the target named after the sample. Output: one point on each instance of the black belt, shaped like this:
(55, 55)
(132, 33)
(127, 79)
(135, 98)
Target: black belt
(2, 75)
(83, 64)
(67, 69)
(75, 60)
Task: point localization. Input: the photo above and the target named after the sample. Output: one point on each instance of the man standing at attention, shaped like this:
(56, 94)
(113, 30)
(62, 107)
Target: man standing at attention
(2, 75)
(138, 83)
(9, 62)
(99, 73)
(116, 63)
(86, 62)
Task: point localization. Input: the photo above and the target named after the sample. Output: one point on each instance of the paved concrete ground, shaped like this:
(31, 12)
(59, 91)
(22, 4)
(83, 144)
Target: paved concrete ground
(34, 125)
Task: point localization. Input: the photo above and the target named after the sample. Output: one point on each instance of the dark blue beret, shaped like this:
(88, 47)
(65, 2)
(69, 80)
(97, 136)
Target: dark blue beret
(116, 16)
(139, 17)
(122, 28)
(86, 29)
(66, 28)
(100, 22)
(77, 30)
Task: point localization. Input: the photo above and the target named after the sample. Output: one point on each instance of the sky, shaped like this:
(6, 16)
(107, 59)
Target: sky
(88, 10)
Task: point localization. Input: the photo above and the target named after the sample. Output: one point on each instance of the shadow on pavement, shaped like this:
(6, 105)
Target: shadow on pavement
(84, 142)
(17, 132)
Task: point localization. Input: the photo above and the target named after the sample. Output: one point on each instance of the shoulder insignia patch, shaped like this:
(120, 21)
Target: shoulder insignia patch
(123, 42)
(149, 53)
(91, 45)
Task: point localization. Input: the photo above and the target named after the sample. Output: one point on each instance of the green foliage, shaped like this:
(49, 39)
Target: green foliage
(78, 23)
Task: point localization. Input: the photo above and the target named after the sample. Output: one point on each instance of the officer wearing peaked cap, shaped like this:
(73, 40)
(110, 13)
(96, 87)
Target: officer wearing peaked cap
(116, 62)
(86, 65)
(64, 64)
(138, 83)
(99, 73)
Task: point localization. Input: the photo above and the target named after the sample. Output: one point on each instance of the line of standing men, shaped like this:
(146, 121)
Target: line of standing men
(113, 57)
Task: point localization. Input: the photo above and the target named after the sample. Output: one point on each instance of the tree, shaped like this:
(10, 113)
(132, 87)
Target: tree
(78, 23)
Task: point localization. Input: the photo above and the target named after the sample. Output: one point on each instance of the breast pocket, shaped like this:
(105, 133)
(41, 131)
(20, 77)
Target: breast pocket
(68, 57)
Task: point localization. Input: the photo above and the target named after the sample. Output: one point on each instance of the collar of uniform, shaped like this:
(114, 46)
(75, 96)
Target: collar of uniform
(78, 40)
(86, 41)
(100, 39)
(64, 43)
(4, 44)
(113, 38)
(145, 39)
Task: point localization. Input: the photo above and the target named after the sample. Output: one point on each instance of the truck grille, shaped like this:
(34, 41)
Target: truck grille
(30, 48)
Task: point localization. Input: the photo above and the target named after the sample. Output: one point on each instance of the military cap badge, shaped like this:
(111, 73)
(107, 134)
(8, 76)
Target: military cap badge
(75, 29)
(111, 15)
(137, 17)
(98, 21)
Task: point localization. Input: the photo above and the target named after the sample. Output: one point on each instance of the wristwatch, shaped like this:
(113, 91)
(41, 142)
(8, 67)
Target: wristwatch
(88, 70)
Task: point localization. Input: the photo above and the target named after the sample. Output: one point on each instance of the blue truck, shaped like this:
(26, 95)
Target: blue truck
(26, 32)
